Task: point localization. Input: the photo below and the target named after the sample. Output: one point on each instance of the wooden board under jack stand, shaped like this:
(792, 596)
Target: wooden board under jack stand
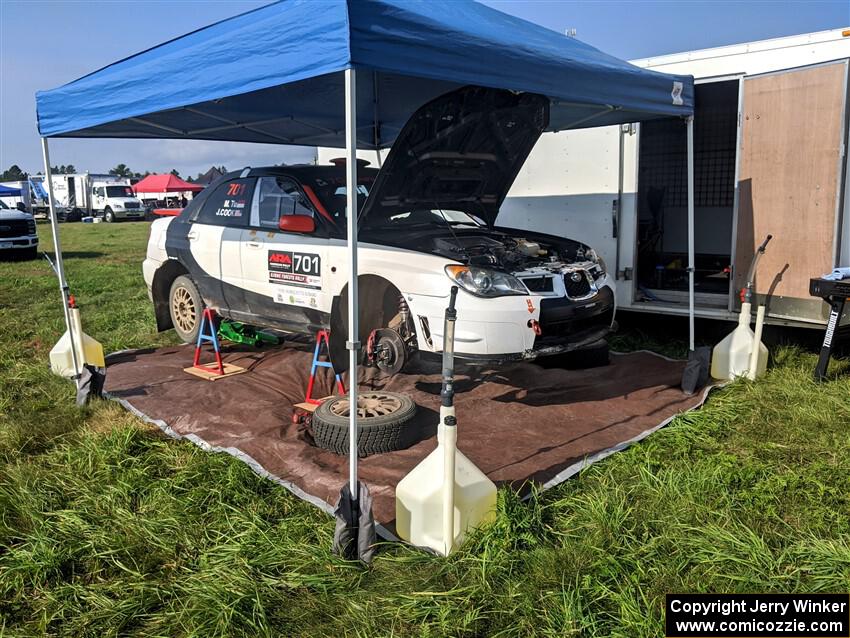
(311, 407)
(230, 370)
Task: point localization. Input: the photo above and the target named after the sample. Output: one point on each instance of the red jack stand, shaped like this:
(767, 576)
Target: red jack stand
(321, 337)
(220, 370)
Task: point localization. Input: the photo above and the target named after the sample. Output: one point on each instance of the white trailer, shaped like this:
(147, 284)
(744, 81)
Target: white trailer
(770, 157)
(100, 195)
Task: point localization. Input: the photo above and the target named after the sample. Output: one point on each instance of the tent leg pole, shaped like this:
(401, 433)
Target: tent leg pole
(353, 343)
(375, 118)
(57, 251)
(691, 258)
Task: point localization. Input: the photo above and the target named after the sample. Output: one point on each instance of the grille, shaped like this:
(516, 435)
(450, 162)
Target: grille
(131, 205)
(580, 288)
(538, 284)
(14, 227)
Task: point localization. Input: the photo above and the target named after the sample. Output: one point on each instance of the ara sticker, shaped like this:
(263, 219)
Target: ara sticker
(530, 305)
(295, 269)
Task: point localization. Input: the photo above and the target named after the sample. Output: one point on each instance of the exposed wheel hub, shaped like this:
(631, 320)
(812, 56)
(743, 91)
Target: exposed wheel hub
(390, 351)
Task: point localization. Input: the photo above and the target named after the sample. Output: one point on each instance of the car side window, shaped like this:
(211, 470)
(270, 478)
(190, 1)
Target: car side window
(228, 205)
(276, 197)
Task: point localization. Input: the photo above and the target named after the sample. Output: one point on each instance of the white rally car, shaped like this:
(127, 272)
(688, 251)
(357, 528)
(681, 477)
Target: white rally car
(266, 246)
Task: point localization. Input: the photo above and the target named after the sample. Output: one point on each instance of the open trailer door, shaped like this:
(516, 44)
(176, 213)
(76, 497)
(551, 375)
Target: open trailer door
(789, 182)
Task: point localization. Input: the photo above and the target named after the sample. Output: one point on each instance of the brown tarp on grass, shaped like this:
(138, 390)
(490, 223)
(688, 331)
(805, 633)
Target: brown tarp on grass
(518, 423)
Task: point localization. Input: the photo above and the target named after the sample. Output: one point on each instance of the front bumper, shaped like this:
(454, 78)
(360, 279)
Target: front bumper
(130, 213)
(503, 329)
(18, 243)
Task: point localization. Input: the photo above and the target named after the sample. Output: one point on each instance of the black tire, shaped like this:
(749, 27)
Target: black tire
(380, 433)
(108, 215)
(29, 254)
(186, 308)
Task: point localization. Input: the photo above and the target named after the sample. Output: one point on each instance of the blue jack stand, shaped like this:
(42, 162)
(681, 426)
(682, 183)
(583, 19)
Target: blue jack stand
(321, 337)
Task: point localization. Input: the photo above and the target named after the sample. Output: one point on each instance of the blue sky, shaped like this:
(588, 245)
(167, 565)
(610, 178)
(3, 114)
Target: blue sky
(45, 43)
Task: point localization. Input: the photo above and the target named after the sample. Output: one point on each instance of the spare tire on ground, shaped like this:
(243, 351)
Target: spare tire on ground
(383, 418)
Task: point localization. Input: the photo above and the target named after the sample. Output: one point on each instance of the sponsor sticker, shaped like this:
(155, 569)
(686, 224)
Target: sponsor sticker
(295, 269)
(294, 296)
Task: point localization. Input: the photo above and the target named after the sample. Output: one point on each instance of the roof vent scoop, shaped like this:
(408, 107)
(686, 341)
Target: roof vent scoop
(340, 161)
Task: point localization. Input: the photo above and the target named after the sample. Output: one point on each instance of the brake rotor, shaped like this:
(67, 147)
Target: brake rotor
(390, 351)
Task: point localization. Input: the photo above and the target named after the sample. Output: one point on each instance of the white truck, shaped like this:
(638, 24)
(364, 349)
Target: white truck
(104, 196)
(17, 232)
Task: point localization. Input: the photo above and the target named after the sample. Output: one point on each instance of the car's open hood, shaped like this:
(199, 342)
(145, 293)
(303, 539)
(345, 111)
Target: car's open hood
(461, 151)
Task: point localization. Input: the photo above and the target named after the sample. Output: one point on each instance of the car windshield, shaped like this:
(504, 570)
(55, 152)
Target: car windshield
(119, 191)
(430, 217)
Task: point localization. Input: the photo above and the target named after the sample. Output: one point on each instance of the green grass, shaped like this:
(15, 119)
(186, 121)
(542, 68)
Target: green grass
(108, 528)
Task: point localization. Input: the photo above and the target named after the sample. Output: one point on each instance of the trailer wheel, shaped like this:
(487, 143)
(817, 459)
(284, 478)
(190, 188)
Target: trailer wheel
(186, 307)
(108, 215)
(382, 417)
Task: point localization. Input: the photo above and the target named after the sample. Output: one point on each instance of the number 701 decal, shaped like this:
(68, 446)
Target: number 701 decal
(306, 264)
(295, 269)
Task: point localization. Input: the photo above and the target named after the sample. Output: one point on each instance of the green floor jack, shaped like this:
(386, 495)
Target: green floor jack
(237, 332)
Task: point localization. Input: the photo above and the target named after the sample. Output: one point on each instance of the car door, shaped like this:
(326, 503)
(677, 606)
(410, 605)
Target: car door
(285, 274)
(213, 245)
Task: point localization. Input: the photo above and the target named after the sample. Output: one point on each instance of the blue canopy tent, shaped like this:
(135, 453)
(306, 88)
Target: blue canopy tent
(6, 191)
(349, 73)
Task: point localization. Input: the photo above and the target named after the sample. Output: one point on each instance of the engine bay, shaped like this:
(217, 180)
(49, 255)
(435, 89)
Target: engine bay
(523, 256)
(537, 259)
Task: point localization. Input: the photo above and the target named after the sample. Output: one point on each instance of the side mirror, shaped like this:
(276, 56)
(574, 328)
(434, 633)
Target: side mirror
(21, 207)
(297, 224)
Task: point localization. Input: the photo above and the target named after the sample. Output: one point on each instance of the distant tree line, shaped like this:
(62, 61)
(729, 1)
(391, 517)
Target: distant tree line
(15, 174)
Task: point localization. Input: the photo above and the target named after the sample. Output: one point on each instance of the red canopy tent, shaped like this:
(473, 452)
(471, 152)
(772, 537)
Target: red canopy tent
(166, 183)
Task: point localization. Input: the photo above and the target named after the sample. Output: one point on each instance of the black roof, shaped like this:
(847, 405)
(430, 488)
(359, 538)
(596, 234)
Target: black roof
(302, 172)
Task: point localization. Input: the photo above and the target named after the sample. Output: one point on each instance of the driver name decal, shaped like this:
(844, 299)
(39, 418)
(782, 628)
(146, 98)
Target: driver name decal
(233, 207)
(295, 269)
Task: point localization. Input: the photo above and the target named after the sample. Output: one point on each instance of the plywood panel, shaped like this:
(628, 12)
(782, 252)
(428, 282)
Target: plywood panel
(789, 175)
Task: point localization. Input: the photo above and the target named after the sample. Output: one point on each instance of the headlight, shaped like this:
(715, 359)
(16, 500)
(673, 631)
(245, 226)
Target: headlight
(118, 205)
(484, 282)
(591, 255)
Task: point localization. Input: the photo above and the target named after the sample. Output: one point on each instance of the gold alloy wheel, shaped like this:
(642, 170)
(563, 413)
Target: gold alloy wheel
(369, 404)
(183, 309)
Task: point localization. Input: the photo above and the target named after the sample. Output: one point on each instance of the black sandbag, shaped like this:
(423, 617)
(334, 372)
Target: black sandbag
(355, 537)
(92, 380)
(695, 375)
